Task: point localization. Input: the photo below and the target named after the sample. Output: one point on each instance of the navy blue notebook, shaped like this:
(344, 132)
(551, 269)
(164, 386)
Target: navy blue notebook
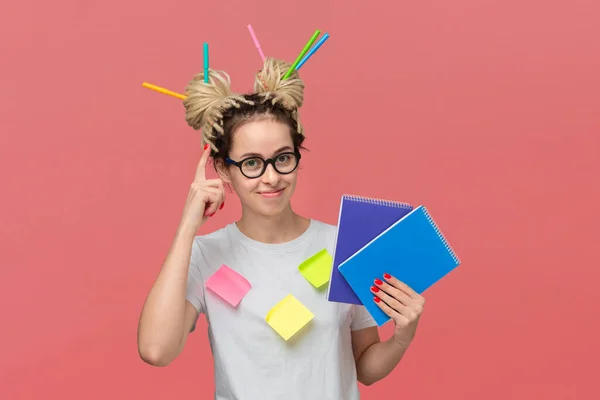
(413, 250)
(360, 220)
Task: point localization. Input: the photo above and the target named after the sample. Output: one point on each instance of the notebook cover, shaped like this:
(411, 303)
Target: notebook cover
(413, 250)
(360, 220)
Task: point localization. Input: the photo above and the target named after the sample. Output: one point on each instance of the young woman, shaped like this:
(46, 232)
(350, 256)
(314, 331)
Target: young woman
(255, 141)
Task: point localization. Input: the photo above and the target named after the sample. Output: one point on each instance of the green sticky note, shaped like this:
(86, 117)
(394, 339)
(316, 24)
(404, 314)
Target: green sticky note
(317, 269)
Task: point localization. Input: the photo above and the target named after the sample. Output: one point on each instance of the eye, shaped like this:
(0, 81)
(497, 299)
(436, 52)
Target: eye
(283, 158)
(252, 163)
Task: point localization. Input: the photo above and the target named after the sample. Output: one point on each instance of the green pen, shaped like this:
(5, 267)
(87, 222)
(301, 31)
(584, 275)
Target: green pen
(304, 50)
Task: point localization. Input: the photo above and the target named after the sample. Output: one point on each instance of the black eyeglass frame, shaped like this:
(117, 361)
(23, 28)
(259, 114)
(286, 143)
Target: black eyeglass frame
(266, 163)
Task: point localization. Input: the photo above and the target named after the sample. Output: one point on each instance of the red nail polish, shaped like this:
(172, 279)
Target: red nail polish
(211, 214)
(387, 276)
(377, 299)
(378, 282)
(205, 146)
(375, 289)
(222, 205)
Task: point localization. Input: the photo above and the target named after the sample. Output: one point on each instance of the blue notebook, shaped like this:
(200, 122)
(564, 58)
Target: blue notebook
(360, 220)
(413, 250)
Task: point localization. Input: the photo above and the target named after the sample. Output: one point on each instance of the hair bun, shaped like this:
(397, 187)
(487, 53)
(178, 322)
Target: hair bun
(204, 99)
(206, 102)
(269, 82)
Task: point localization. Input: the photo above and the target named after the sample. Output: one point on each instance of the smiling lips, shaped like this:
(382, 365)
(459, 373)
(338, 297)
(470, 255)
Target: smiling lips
(272, 193)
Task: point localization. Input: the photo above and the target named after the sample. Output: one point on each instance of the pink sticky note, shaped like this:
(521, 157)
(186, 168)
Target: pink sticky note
(229, 285)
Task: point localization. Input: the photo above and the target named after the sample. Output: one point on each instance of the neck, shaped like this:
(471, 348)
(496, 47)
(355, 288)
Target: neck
(273, 229)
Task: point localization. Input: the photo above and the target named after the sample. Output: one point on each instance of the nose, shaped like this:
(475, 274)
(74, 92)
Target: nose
(270, 177)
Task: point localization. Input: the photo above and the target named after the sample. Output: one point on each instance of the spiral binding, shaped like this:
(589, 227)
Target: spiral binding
(441, 235)
(372, 200)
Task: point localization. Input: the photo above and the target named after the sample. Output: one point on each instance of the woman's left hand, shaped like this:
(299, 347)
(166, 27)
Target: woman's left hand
(402, 304)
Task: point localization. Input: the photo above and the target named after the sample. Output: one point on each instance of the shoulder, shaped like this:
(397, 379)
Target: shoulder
(325, 232)
(324, 227)
(214, 236)
(211, 250)
(212, 242)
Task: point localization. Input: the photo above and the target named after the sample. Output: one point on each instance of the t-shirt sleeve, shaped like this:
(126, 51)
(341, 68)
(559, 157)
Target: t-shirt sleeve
(361, 318)
(195, 284)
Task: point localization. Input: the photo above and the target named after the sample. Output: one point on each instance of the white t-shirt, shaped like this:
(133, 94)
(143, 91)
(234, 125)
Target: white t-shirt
(251, 360)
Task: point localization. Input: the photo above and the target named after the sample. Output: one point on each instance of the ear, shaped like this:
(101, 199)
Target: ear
(222, 171)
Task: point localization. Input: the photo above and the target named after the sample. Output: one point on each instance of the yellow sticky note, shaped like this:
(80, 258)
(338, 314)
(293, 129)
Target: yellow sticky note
(288, 316)
(317, 269)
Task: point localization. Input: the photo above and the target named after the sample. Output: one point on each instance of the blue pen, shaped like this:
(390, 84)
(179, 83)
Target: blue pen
(205, 62)
(312, 51)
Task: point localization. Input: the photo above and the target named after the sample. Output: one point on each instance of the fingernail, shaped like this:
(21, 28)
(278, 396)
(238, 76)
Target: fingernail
(211, 214)
(377, 299)
(387, 276)
(378, 282)
(375, 289)
(206, 146)
(222, 205)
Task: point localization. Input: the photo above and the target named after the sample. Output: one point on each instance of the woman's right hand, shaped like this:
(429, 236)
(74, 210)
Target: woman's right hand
(206, 196)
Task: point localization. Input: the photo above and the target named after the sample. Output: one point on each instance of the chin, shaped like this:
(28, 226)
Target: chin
(271, 211)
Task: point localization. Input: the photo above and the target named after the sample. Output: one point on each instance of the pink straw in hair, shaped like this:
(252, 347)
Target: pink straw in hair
(256, 43)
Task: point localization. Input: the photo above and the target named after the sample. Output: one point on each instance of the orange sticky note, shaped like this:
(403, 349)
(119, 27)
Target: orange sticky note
(229, 285)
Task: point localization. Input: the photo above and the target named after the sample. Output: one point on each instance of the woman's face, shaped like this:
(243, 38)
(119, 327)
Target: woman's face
(270, 193)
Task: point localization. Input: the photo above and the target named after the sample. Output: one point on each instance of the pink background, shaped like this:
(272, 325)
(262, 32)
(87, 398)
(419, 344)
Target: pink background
(487, 112)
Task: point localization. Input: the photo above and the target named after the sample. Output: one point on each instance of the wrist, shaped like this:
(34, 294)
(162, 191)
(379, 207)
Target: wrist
(187, 230)
(400, 344)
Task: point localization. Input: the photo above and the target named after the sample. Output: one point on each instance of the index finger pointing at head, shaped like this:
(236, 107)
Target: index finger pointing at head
(201, 170)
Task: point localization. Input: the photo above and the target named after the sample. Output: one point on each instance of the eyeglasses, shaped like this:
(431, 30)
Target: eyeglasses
(254, 167)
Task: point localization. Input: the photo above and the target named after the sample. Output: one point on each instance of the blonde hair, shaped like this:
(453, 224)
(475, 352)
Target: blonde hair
(211, 106)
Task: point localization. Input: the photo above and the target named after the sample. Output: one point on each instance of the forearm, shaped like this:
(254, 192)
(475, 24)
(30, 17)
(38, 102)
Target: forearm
(161, 323)
(378, 361)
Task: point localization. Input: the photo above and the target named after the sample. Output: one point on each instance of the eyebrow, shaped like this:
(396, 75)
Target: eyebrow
(245, 155)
